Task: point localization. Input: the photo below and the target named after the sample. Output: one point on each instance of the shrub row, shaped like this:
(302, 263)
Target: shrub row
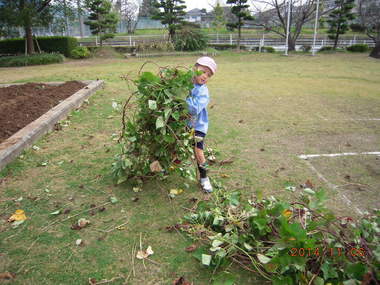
(36, 59)
(352, 48)
(63, 45)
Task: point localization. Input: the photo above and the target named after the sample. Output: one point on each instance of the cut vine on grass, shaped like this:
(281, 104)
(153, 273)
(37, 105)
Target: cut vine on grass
(287, 243)
(155, 140)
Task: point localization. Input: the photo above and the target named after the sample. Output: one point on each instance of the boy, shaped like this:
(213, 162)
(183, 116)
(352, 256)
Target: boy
(197, 103)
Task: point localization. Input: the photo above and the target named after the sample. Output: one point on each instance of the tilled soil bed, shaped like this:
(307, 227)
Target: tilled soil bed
(22, 104)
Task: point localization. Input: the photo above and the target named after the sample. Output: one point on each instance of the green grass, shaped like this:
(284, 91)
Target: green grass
(267, 109)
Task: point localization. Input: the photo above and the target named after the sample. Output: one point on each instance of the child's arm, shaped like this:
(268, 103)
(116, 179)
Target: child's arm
(197, 103)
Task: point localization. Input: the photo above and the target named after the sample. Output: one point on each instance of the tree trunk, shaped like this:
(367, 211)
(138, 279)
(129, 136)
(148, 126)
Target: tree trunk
(239, 37)
(66, 18)
(376, 50)
(80, 18)
(29, 39)
(336, 38)
(171, 34)
(291, 44)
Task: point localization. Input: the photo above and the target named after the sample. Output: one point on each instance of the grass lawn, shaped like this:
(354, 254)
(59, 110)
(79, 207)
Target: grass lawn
(265, 110)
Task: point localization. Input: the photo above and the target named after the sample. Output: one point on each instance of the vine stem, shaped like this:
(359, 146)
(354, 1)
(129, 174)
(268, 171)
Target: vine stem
(178, 140)
(123, 117)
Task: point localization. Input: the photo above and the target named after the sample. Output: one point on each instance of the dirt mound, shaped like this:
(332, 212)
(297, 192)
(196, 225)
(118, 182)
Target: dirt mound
(106, 52)
(22, 104)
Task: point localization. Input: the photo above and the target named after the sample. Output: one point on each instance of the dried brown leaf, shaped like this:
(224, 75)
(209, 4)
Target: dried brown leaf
(155, 166)
(191, 248)
(308, 184)
(7, 276)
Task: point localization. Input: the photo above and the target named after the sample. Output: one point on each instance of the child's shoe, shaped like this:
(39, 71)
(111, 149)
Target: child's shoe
(206, 185)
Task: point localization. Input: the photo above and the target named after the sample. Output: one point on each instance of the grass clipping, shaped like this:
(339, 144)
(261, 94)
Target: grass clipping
(287, 243)
(155, 139)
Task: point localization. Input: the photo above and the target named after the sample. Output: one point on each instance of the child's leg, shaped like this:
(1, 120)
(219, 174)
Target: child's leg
(199, 155)
(202, 165)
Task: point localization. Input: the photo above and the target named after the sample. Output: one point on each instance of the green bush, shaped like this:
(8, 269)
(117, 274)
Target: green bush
(189, 39)
(268, 49)
(80, 52)
(326, 48)
(154, 46)
(63, 45)
(358, 48)
(223, 46)
(265, 49)
(306, 48)
(36, 59)
(357, 28)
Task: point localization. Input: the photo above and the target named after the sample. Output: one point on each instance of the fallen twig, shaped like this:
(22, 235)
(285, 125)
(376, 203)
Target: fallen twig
(70, 217)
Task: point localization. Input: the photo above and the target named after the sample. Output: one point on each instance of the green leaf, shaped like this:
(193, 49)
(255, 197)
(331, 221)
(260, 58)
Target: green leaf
(206, 259)
(113, 200)
(176, 115)
(309, 191)
(263, 259)
(356, 270)
(318, 281)
(224, 278)
(159, 122)
(167, 112)
(216, 243)
(152, 104)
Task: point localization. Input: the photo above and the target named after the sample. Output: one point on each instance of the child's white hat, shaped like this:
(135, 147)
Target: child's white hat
(209, 62)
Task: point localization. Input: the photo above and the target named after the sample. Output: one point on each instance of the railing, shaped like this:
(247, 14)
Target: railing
(247, 40)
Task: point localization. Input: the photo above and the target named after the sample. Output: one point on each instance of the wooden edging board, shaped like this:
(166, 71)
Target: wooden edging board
(14, 145)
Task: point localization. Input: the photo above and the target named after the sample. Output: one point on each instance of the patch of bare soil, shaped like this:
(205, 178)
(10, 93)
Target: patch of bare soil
(22, 104)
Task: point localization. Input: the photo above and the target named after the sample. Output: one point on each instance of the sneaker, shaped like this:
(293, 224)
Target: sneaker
(206, 185)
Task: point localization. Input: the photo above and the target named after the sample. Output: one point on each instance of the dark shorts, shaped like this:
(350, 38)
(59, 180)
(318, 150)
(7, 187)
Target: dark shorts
(200, 144)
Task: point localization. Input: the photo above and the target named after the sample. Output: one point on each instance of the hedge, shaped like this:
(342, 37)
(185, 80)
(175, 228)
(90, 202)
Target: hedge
(35, 59)
(63, 45)
(223, 46)
(358, 48)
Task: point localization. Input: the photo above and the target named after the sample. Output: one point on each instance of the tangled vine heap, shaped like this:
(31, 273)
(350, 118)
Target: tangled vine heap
(155, 139)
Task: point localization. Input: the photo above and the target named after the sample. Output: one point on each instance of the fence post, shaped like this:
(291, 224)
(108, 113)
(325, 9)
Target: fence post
(96, 40)
(354, 39)
(230, 39)
(217, 37)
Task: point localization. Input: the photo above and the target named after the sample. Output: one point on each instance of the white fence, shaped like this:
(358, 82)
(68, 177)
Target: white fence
(250, 41)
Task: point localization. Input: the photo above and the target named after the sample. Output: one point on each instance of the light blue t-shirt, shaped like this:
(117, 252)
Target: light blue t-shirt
(197, 102)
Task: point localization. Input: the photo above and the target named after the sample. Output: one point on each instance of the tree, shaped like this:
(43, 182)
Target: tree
(240, 10)
(273, 17)
(128, 12)
(147, 8)
(369, 15)
(102, 20)
(219, 19)
(171, 13)
(339, 19)
(26, 14)
(63, 12)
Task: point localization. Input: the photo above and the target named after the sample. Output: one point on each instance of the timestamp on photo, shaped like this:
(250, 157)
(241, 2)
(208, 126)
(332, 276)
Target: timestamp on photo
(329, 252)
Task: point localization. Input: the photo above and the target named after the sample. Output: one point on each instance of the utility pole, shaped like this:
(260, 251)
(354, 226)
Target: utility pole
(287, 28)
(315, 28)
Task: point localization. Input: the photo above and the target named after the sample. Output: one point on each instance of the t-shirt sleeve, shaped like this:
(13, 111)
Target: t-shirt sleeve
(198, 103)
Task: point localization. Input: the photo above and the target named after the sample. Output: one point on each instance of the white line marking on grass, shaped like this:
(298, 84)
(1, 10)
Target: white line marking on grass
(334, 187)
(306, 156)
